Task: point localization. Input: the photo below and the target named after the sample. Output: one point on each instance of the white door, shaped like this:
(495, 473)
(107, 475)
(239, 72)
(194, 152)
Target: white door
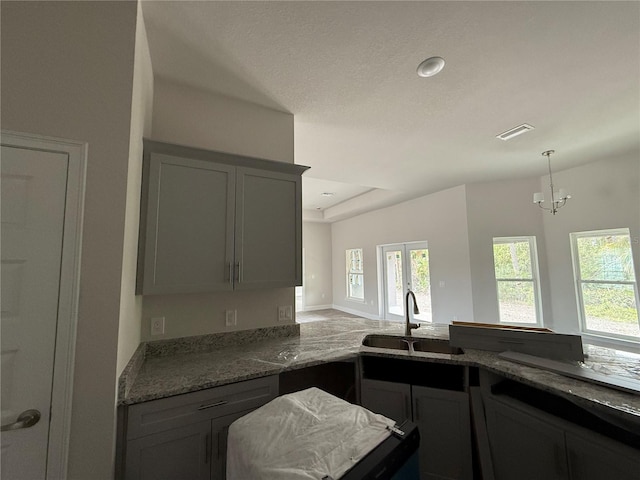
(33, 191)
(406, 267)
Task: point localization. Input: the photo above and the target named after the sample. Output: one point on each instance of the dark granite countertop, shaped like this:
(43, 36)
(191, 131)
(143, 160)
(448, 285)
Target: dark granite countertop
(168, 372)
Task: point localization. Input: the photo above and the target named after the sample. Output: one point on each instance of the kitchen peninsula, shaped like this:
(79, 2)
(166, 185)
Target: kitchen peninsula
(172, 368)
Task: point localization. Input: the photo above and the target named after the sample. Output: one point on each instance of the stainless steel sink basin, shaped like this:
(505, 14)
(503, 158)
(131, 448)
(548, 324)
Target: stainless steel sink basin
(410, 344)
(386, 341)
(435, 346)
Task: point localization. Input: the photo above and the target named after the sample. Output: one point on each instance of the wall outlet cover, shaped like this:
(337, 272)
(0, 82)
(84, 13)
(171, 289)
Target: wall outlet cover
(157, 325)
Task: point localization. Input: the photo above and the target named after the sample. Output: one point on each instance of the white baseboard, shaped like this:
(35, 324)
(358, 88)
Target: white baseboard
(317, 307)
(356, 312)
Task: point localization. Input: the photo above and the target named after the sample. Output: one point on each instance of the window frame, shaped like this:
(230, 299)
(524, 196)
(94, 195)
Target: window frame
(535, 276)
(354, 272)
(578, 281)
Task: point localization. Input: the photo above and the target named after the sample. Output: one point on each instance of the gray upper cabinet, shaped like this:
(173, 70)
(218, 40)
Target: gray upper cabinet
(213, 222)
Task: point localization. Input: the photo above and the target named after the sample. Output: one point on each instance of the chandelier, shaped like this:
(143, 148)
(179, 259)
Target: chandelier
(558, 198)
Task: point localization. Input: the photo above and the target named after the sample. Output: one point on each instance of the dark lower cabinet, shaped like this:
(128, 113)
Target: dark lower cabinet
(185, 436)
(524, 447)
(595, 457)
(529, 443)
(393, 400)
(445, 433)
(443, 421)
(176, 454)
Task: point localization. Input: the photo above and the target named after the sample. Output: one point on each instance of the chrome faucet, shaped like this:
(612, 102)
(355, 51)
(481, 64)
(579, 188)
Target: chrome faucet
(408, 325)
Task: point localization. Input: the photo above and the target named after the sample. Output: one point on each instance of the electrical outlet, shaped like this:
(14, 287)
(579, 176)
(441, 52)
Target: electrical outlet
(231, 318)
(157, 325)
(285, 313)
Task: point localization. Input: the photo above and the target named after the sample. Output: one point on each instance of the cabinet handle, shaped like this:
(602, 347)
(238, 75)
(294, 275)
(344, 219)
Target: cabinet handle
(237, 272)
(417, 415)
(211, 405)
(229, 276)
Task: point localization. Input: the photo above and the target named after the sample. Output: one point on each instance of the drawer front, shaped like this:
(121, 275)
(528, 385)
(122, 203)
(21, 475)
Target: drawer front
(159, 415)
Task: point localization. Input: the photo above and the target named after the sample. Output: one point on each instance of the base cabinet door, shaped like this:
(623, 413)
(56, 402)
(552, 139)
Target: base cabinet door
(219, 434)
(523, 446)
(393, 400)
(595, 457)
(175, 454)
(445, 433)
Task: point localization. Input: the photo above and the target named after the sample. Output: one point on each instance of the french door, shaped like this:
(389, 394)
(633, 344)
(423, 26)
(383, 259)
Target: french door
(405, 267)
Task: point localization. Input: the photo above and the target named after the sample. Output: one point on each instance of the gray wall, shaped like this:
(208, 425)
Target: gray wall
(195, 118)
(318, 288)
(141, 108)
(606, 194)
(441, 220)
(67, 72)
(501, 209)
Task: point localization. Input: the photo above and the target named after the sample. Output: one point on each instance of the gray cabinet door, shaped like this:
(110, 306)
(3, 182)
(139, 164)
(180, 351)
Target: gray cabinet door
(175, 454)
(523, 446)
(187, 236)
(268, 243)
(219, 434)
(445, 433)
(393, 400)
(594, 457)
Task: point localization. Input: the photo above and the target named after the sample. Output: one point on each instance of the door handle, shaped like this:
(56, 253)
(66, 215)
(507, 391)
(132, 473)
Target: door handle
(26, 419)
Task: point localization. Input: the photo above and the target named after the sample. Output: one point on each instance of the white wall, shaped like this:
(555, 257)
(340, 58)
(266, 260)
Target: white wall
(606, 194)
(67, 72)
(501, 209)
(141, 108)
(316, 242)
(185, 116)
(200, 119)
(441, 220)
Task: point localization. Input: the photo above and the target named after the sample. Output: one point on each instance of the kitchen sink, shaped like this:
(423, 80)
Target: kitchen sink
(410, 344)
(386, 341)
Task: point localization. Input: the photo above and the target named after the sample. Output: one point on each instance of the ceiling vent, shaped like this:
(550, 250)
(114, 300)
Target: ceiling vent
(515, 131)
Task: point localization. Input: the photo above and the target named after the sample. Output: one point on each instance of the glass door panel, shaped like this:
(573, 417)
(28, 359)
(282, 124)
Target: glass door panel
(420, 281)
(393, 284)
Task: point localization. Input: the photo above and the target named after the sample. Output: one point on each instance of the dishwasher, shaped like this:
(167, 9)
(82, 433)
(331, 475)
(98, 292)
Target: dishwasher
(313, 435)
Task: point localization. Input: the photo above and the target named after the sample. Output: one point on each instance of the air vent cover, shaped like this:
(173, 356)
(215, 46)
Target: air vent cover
(515, 131)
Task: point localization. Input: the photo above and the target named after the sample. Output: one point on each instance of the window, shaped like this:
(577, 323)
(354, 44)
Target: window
(355, 274)
(606, 285)
(516, 266)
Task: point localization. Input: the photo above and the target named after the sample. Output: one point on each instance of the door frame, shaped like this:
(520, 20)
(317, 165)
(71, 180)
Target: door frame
(68, 295)
(382, 268)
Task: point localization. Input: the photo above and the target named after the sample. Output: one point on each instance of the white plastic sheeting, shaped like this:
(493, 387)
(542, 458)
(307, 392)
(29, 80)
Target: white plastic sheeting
(303, 435)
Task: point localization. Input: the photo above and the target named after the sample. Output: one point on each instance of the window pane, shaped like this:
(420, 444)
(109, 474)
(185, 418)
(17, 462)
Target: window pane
(606, 257)
(516, 302)
(420, 282)
(355, 277)
(356, 287)
(610, 309)
(512, 259)
(393, 262)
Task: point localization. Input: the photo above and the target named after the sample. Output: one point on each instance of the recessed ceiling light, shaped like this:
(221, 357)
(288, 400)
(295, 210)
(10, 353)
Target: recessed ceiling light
(327, 194)
(515, 131)
(430, 67)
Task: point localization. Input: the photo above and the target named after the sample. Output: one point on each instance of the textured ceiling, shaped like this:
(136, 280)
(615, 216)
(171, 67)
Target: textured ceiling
(368, 125)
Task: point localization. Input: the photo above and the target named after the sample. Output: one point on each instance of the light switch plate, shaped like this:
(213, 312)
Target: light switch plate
(157, 325)
(231, 318)
(285, 313)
